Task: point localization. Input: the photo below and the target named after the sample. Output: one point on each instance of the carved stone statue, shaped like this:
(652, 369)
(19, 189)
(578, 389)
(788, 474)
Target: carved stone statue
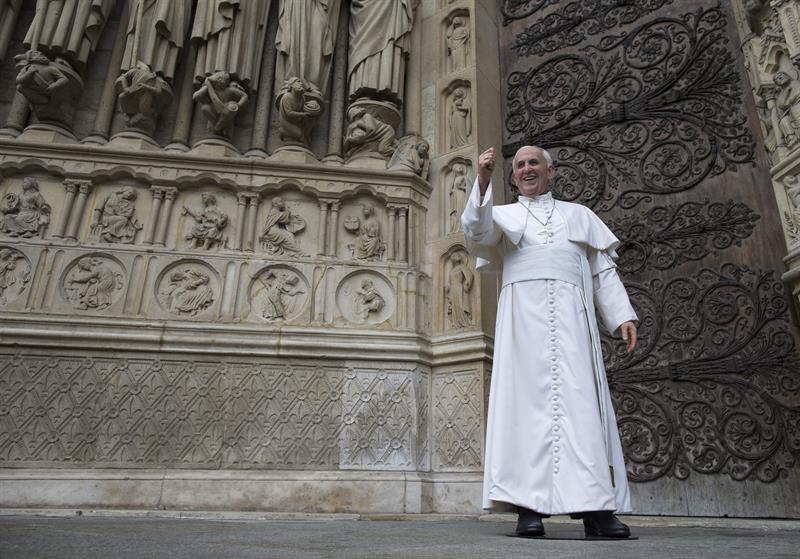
(69, 29)
(367, 300)
(367, 133)
(51, 87)
(380, 32)
(92, 283)
(26, 214)
(411, 155)
(787, 104)
(459, 186)
(306, 39)
(279, 294)
(368, 245)
(156, 35)
(188, 292)
(11, 273)
(220, 101)
(792, 185)
(115, 217)
(457, 289)
(299, 105)
(460, 118)
(458, 43)
(229, 35)
(142, 97)
(280, 228)
(210, 222)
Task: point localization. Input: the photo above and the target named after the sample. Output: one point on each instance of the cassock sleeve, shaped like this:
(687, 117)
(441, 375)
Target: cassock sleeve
(480, 231)
(610, 297)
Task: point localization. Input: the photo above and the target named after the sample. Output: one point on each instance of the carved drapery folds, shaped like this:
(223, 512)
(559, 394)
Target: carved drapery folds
(458, 289)
(59, 41)
(115, 217)
(26, 214)
(15, 274)
(209, 223)
(458, 39)
(412, 154)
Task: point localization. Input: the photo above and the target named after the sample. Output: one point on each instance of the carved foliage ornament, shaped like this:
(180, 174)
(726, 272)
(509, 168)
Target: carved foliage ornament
(713, 385)
(649, 112)
(667, 236)
(576, 21)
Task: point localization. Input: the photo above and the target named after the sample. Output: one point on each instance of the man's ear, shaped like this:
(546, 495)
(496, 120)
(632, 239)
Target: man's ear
(551, 172)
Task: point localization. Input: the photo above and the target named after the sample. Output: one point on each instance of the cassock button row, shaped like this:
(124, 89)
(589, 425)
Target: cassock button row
(556, 460)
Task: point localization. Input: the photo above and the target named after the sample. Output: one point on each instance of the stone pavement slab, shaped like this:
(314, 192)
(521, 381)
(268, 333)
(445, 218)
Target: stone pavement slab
(265, 536)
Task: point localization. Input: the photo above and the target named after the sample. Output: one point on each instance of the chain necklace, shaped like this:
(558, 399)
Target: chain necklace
(542, 223)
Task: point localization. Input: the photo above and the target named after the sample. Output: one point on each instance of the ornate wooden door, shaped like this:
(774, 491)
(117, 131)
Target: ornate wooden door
(645, 107)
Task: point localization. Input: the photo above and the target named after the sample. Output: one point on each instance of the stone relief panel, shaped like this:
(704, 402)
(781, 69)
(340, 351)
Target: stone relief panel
(366, 298)
(457, 178)
(458, 112)
(205, 222)
(26, 213)
(188, 288)
(93, 282)
(458, 293)
(457, 408)
(458, 41)
(89, 411)
(365, 230)
(379, 421)
(278, 293)
(115, 219)
(15, 274)
(288, 224)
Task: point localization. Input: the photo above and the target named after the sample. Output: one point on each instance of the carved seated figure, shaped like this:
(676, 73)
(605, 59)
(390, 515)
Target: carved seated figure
(787, 105)
(411, 155)
(115, 218)
(142, 96)
(51, 87)
(299, 105)
(367, 133)
(280, 228)
(368, 300)
(26, 214)
(368, 245)
(220, 99)
(210, 222)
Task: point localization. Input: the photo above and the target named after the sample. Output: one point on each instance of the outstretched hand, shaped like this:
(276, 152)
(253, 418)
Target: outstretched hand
(486, 162)
(628, 330)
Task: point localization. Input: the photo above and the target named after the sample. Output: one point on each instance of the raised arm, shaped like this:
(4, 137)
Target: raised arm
(479, 227)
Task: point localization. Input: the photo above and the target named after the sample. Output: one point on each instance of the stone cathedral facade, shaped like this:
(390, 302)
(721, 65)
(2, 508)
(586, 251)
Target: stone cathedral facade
(231, 268)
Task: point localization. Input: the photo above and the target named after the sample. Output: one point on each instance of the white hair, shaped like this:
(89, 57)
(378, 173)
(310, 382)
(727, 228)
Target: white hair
(547, 156)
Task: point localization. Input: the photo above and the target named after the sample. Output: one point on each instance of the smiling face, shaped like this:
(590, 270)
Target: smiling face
(532, 173)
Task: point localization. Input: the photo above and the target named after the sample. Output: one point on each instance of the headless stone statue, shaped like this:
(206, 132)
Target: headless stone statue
(306, 39)
(380, 32)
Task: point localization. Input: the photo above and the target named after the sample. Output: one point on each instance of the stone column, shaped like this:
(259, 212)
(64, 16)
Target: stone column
(71, 187)
(266, 85)
(108, 98)
(402, 235)
(80, 206)
(323, 227)
(170, 193)
(334, 228)
(183, 123)
(158, 197)
(338, 89)
(390, 243)
(241, 209)
(251, 231)
(17, 116)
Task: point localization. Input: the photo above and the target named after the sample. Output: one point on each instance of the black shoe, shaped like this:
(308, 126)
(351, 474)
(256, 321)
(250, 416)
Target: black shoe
(529, 524)
(603, 524)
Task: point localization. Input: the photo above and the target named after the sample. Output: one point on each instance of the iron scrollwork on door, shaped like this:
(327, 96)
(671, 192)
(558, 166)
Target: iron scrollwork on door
(713, 385)
(646, 113)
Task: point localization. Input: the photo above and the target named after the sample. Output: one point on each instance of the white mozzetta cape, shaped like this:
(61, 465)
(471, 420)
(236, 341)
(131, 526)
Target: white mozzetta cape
(546, 447)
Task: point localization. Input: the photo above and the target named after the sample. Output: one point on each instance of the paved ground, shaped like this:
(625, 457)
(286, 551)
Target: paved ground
(133, 536)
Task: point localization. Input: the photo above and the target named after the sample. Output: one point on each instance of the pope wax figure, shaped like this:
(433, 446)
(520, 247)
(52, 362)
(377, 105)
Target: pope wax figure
(552, 445)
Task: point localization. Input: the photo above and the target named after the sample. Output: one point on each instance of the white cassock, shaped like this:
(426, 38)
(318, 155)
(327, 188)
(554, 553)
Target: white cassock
(552, 443)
